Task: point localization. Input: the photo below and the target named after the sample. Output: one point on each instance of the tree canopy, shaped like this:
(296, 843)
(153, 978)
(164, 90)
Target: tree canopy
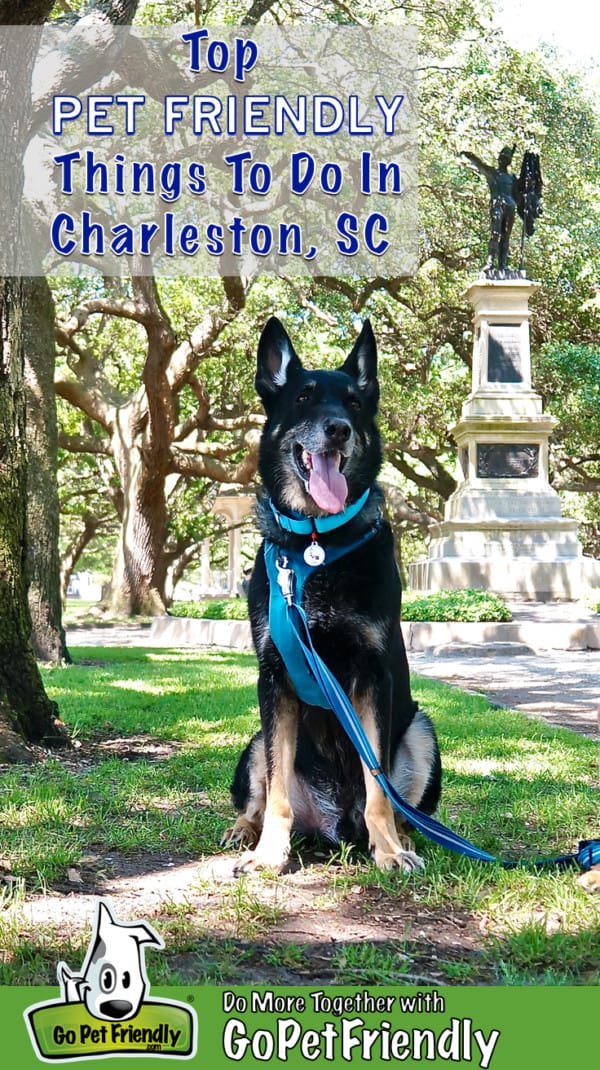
(476, 92)
(155, 377)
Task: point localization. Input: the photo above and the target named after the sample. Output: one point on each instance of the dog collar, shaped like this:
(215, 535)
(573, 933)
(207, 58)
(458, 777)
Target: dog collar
(302, 525)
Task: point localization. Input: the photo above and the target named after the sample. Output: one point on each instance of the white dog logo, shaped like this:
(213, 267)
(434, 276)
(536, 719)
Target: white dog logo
(113, 982)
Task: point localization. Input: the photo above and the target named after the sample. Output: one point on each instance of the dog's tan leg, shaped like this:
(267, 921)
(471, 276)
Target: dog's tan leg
(248, 827)
(273, 846)
(384, 841)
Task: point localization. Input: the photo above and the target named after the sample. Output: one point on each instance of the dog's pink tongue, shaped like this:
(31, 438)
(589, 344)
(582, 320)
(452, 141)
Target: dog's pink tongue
(326, 484)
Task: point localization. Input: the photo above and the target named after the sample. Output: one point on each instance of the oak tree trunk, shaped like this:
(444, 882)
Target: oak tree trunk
(138, 579)
(47, 636)
(26, 713)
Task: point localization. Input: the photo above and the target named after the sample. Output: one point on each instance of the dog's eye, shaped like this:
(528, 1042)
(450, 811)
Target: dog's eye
(108, 979)
(355, 404)
(304, 396)
(126, 979)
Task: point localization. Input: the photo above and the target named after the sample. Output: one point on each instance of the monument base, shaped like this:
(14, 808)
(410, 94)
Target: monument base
(516, 544)
(519, 578)
(503, 528)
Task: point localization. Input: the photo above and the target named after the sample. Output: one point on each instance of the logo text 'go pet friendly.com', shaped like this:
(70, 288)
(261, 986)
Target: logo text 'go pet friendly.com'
(105, 1009)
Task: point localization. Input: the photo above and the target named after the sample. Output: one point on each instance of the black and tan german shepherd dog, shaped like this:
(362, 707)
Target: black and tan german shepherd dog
(320, 453)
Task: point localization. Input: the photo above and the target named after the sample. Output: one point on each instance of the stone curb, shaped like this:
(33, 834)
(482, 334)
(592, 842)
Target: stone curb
(419, 636)
(537, 635)
(183, 631)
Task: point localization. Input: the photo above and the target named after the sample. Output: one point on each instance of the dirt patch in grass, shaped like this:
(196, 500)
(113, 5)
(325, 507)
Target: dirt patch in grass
(137, 748)
(300, 928)
(82, 754)
(295, 929)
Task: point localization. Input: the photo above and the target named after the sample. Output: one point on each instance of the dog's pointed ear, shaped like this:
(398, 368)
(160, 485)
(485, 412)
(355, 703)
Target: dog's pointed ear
(104, 918)
(277, 359)
(145, 934)
(361, 363)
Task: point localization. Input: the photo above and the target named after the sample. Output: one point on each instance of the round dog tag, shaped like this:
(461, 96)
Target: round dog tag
(314, 554)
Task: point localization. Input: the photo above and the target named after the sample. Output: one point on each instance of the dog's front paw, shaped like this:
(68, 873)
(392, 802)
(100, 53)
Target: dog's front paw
(253, 861)
(242, 834)
(407, 861)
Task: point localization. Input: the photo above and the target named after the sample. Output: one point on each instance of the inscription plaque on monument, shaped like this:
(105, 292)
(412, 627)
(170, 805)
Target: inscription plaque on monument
(502, 461)
(504, 353)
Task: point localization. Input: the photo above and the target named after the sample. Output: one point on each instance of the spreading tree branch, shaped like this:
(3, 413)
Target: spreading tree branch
(84, 444)
(206, 466)
(199, 346)
(403, 511)
(440, 482)
(256, 11)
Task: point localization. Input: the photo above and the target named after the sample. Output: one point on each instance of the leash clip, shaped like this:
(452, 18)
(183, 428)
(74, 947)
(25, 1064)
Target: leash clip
(285, 578)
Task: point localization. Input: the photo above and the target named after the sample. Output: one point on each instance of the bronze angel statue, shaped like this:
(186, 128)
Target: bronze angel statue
(509, 194)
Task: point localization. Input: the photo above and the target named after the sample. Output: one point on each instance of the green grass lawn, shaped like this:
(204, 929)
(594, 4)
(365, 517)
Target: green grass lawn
(159, 733)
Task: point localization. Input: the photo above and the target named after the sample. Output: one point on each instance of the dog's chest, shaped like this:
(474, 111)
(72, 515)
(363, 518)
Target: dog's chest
(345, 612)
(330, 596)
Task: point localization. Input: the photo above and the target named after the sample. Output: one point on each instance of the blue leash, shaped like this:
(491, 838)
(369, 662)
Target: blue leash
(332, 696)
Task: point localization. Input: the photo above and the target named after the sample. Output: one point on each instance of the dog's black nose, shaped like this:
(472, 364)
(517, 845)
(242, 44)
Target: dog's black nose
(116, 1008)
(337, 430)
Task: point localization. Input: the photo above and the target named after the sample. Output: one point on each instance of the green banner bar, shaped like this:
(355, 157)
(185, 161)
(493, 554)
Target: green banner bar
(502, 1028)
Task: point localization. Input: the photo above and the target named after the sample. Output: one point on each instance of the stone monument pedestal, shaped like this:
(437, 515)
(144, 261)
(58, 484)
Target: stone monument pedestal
(503, 529)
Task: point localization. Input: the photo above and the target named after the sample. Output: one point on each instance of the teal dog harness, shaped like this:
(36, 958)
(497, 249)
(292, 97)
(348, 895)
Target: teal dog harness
(291, 567)
(315, 684)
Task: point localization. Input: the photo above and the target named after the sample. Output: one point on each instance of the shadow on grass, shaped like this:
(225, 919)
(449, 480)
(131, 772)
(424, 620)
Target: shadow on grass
(562, 959)
(210, 959)
(383, 961)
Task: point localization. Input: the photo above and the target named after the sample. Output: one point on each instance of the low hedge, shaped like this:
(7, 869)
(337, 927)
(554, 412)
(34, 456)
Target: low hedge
(212, 609)
(456, 606)
(443, 605)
